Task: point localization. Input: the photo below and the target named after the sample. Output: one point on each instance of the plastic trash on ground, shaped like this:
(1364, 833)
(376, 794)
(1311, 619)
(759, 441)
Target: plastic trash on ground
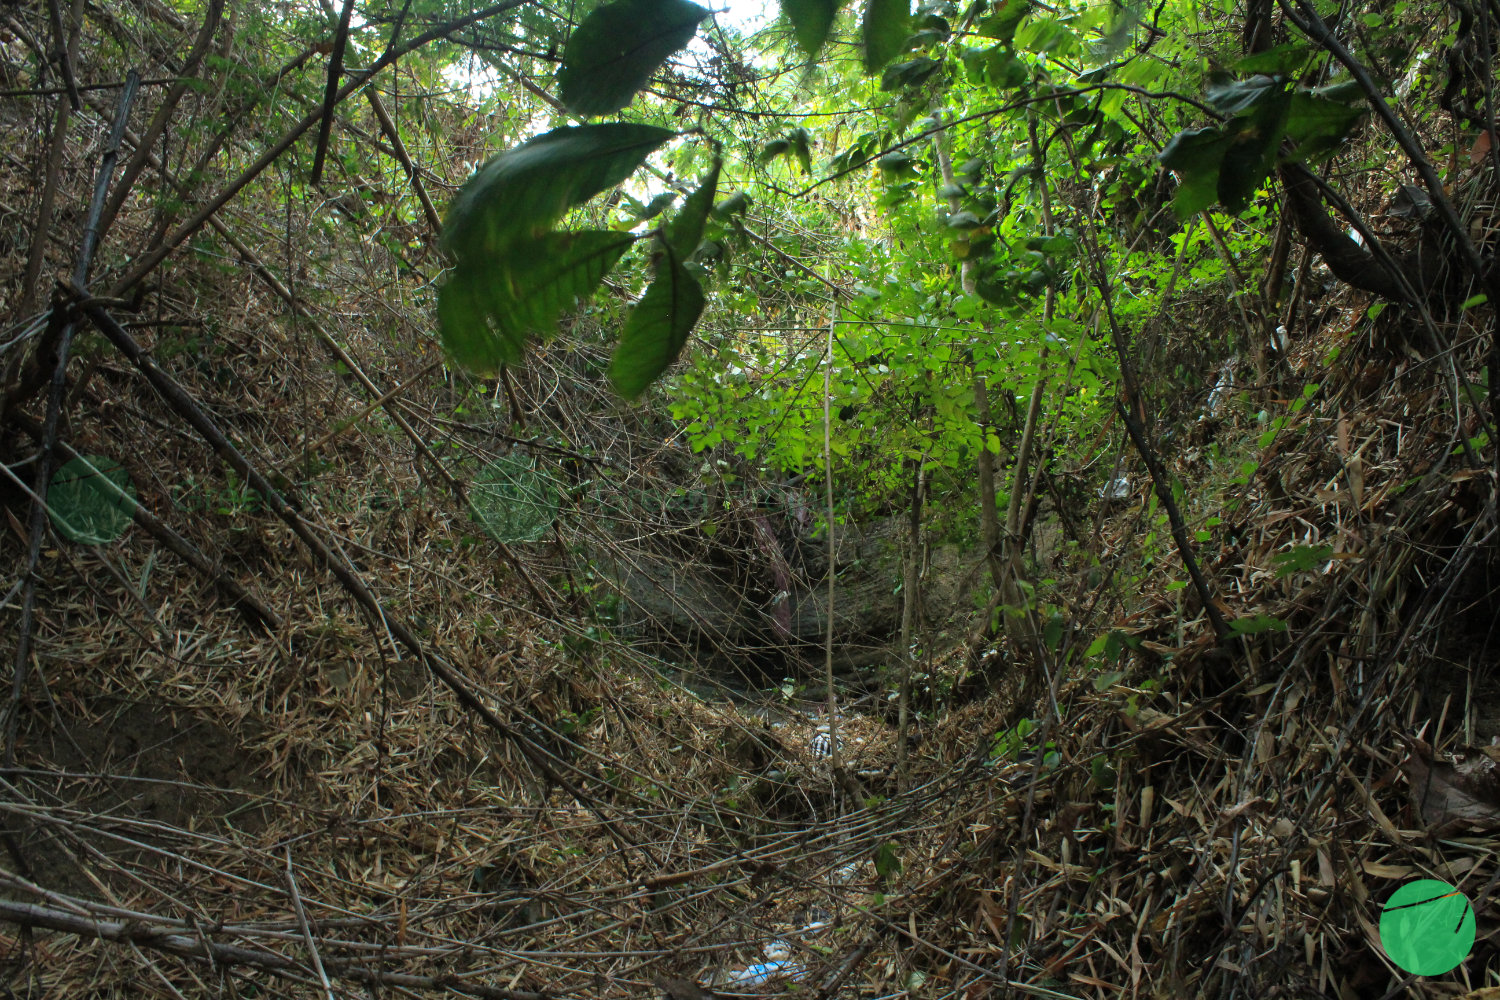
(764, 972)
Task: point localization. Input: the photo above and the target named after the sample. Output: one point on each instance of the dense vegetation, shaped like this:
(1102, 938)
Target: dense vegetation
(531, 500)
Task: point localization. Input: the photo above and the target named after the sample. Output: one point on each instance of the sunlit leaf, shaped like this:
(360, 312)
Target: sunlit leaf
(615, 50)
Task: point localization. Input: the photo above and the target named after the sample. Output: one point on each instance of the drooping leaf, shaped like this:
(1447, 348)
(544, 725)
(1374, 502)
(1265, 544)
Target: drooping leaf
(910, 73)
(1195, 155)
(521, 192)
(91, 500)
(658, 327)
(1251, 152)
(556, 272)
(615, 50)
(1002, 24)
(887, 23)
(811, 21)
(686, 230)
(801, 145)
(1317, 123)
(1236, 96)
(735, 204)
(469, 336)
(489, 307)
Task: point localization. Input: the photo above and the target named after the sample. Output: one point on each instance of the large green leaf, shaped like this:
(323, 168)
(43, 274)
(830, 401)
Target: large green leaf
(489, 307)
(1251, 153)
(469, 335)
(1235, 96)
(615, 50)
(686, 230)
(1002, 24)
(1195, 155)
(1316, 123)
(521, 192)
(811, 22)
(658, 327)
(887, 25)
(909, 73)
(549, 276)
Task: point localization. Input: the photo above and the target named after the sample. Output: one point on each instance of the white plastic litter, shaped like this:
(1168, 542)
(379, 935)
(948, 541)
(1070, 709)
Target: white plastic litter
(1117, 490)
(1222, 388)
(821, 746)
(764, 972)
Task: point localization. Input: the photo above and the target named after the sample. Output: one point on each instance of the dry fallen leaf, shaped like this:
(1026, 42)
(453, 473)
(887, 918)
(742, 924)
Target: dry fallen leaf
(1452, 796)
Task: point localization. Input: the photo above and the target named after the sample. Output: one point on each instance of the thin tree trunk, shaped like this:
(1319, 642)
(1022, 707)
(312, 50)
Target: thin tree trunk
(910, 584)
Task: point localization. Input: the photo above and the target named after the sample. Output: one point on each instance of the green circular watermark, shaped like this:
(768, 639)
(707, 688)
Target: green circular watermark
(1427, 927)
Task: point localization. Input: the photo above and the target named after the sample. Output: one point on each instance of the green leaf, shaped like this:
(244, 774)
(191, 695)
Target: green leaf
(811, 21)
(658, 327)
(1287, 59)
(886, 26)
(468, 335)
(1236, 96)
(909, 73)
(735, 204)
(1316, 123)
(521, 192)
(615, 50)
(899, 164)
(557, 271)
(657, 205)
(1301, 559)
(488, 308)
(801, 144)
(1251, 152)
(91, 500)
(1002, 24)
(773, 149)
(686, 230)
(1195, 155)
(887, 863)
(1256, 624)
